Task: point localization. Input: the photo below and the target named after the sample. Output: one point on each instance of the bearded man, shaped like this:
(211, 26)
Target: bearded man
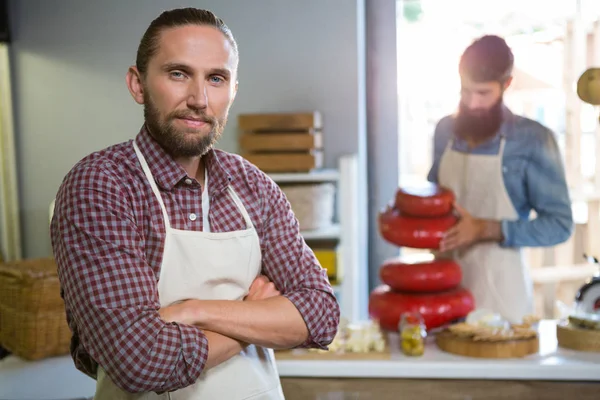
(500, 167)
(182, 266)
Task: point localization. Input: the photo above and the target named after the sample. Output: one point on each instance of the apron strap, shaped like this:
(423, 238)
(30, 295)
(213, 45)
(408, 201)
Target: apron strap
(502, 144)
(240, 205)
(206, 206)
(150, 178)
(205, 203)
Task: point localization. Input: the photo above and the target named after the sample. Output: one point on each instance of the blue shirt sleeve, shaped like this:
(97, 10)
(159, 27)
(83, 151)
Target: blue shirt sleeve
(547, 192)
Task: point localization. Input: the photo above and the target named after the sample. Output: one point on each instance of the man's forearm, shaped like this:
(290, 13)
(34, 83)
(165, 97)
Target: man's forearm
(274, 322)
(220, 347)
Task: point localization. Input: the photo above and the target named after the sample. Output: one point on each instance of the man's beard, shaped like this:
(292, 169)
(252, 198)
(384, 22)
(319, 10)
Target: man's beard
(181, 143)
(478, 124)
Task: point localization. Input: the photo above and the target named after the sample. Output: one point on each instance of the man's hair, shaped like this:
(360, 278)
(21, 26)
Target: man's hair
(487, 59)
(172, 19)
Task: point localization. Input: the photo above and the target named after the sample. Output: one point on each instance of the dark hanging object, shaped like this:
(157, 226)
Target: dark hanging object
(4, 26)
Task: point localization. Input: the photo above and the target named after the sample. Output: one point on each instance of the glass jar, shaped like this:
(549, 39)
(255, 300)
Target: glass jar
(412, 334)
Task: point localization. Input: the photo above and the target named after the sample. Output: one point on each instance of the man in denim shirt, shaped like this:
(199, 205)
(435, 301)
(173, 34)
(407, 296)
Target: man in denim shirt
(500, 166)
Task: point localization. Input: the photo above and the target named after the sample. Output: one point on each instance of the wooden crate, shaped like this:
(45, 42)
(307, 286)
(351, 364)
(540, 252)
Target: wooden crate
(280, 122)
(296, 141)
(282, 142)
(286, 162)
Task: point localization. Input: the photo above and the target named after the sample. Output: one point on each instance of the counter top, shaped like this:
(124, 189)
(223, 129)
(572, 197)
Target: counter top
(551, 363)
(57, 378)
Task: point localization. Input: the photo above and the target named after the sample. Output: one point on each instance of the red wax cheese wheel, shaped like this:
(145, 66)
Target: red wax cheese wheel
(437, 309)
(435, 275)
(418, 233)
(426, 200)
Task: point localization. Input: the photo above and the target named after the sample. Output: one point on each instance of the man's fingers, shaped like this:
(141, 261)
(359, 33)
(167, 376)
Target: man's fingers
(259, 282)
(449, 244)
(459, 210)
(269, 290)
(451, 232)
(451, 239)
(257, 285)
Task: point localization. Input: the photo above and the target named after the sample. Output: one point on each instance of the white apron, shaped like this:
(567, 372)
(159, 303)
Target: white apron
(497, 277)
(210, 266)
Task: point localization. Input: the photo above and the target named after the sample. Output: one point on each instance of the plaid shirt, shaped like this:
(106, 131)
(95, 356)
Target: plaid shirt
(108, 235)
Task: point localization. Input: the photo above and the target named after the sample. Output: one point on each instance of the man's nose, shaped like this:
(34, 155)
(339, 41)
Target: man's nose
(198, 95)
(475, 103)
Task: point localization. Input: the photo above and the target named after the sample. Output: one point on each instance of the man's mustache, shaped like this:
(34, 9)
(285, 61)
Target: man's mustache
(197, 116)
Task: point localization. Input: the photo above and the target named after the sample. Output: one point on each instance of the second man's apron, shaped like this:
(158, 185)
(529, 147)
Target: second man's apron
(497, 277)
(210, 266)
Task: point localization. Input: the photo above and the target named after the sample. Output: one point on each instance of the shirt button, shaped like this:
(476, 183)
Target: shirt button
(188, 181)
(193, 217)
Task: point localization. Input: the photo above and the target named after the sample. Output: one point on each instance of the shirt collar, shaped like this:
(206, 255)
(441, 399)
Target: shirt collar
(168, 173)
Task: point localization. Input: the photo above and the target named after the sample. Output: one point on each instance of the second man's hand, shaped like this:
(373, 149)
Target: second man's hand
(470, 230)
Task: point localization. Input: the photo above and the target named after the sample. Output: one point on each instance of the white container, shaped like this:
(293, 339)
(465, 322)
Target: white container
(313, 204)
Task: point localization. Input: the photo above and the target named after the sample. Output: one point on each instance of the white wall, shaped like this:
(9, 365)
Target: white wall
(70, 58)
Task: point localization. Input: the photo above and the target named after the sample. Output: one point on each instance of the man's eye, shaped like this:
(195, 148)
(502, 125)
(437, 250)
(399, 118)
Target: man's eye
(216, 79)
(177, 74)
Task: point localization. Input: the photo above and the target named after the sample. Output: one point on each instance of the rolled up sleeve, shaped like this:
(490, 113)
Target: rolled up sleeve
(548, 194)
(110, 291)
(293, 267)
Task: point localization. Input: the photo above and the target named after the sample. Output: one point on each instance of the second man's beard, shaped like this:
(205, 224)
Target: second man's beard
(479, 124)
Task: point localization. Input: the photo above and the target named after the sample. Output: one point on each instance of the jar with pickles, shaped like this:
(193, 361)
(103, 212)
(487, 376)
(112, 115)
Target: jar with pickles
(412, 334)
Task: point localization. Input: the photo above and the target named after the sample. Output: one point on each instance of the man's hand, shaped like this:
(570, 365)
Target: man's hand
(176, 312)
(262, 289)
(470, 230)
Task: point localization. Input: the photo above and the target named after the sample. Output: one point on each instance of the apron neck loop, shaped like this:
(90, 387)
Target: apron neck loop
(205, 203)
(150, 178)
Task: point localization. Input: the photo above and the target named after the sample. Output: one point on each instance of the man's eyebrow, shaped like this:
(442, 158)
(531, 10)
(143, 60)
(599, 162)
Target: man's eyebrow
(220, 71)
(172, 66)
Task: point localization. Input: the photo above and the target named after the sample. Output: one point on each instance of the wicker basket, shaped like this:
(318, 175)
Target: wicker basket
(313, 204)
(32, 314)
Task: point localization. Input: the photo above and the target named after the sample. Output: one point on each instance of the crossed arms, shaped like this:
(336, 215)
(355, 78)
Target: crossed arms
(264, 318)
(109, 289)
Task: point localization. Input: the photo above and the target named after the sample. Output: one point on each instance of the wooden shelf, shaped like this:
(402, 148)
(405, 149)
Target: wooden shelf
(322, 175)
(332, 232)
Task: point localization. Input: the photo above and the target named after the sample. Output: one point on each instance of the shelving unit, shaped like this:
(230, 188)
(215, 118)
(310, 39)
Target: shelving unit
(351, 254)
(323, 175)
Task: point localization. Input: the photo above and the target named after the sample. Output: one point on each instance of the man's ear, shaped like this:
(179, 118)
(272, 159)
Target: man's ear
(235, 90)
(507, 83)
(135, 84)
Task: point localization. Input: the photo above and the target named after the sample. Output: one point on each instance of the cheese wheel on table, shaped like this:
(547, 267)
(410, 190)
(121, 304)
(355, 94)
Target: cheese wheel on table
(386, 306)
(427, 200)
(414, 275)
(414, 232)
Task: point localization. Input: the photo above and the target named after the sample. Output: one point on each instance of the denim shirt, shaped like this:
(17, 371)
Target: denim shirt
(534, 178)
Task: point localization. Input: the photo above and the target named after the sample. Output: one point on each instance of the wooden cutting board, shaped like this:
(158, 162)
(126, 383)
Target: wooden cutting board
(305, 354)
(468, 347)
(574, 338)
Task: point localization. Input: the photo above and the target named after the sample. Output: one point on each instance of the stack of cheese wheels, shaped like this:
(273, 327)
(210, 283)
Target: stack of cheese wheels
(418, 218)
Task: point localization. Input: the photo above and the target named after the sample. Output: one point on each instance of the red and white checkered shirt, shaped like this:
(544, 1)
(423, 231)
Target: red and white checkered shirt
(108, 235)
